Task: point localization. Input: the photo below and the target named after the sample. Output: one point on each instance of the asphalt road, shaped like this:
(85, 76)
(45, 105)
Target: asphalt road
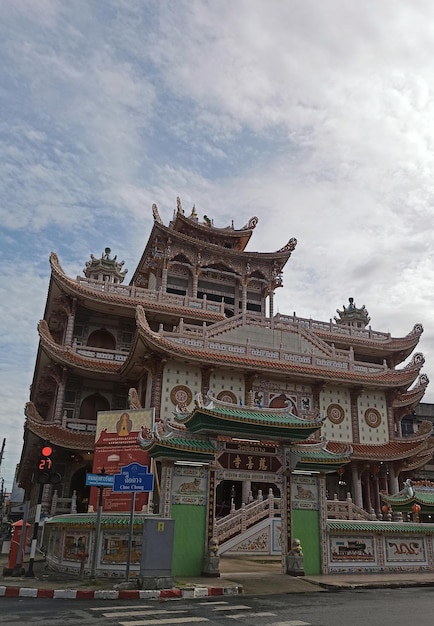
(375, 607)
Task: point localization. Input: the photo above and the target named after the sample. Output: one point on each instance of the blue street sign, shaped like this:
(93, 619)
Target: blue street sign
(99, 480)
(133, 477)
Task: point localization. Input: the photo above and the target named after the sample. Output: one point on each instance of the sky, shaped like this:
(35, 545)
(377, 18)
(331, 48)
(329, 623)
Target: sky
(316, 117)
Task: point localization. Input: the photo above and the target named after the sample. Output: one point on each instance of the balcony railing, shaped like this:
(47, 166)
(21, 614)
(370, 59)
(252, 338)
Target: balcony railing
(151, 295)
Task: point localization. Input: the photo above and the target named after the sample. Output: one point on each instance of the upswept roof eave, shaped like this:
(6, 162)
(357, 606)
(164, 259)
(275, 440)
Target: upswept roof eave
(394, 344)
(160, 344)
(80, 289)
(412, 397)
(281, 255)
(243, 417)
(245, 232)
(64, 355)
(173, 447)
(392, 450)
(55, 433)
(317, 454)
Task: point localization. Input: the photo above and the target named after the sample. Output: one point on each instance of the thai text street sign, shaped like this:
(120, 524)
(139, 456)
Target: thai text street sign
(133, 477)
(99, 480)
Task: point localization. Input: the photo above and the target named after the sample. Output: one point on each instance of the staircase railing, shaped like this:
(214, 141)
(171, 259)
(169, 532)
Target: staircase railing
(237, 522)
(346, 509)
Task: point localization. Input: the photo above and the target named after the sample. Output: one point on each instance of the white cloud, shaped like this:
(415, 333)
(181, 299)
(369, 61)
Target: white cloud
(316, 117)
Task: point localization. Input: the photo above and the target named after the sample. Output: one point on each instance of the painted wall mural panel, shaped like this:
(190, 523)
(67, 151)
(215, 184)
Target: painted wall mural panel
(189, 485)
(75, 546)
(115, 549)
(404, 549)
(352, 549)
(304, 493)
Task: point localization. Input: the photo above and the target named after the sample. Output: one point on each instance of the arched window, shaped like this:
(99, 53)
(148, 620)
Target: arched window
(91, 405)
(102, 339)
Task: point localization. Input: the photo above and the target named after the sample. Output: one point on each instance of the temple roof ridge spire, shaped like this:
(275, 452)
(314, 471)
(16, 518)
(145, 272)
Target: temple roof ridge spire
(352, 315)
(106, 268)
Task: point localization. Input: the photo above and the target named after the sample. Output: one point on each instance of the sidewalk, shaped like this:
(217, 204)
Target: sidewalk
(237, 576)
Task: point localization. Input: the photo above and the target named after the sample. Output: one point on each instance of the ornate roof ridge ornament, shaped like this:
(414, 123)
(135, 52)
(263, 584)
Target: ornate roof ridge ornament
(251, 224)
(417, 361)
(353, 316)
(156, 214)
(179, 208)
(100, 269)
(416, 330)
(290, 246)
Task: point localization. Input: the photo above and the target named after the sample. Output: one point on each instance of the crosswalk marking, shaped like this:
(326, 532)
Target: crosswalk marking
(171, 620)
(210, 603)
(243, 615)
(294, 622)
(115, 607)
(157, 617)
(141, 612)
(237, 607)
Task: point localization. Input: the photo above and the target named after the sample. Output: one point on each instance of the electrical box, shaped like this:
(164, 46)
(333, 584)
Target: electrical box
(157, 547)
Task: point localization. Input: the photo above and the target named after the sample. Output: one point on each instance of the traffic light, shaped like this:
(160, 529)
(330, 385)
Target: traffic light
(45, 460)
(45, 467)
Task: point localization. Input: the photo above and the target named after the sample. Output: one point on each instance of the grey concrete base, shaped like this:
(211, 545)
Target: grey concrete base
(156, 582)
(294, 565)
(211, 566)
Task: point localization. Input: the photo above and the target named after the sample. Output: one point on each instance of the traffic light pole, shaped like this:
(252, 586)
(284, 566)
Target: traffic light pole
(97, 529)
(17, 569)
(30, 573)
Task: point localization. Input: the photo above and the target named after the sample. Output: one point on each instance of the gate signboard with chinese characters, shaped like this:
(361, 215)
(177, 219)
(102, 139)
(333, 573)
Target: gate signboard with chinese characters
(249, 458)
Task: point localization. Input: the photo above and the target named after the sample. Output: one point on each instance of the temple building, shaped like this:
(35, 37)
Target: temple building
(195, 337)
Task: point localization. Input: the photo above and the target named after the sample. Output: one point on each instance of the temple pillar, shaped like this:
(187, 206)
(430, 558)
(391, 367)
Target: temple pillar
(286, 519)
(375, 494)
(60, 376)
(244, 297)
(69, 332)
(383, 486)
(390, 396)
(354, 396)
(247, 490)
(195, 283)
(166, 487)
(157, 385)
(211, 562)
(205, 379)
(393, 480)
(357, 485)
(271, 307)
(317, 388)
(249, 379)
(271, 304)
(366, 491)
(316, 394)
(164, 279)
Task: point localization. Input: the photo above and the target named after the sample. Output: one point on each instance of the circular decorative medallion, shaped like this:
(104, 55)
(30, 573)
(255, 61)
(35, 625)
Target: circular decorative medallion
(181, 396)
(227, 396)
(372, 418)
(335, 413)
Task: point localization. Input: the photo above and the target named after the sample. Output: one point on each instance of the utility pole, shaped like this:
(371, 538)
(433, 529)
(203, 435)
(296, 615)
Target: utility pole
(2, 490)
(2, 452)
